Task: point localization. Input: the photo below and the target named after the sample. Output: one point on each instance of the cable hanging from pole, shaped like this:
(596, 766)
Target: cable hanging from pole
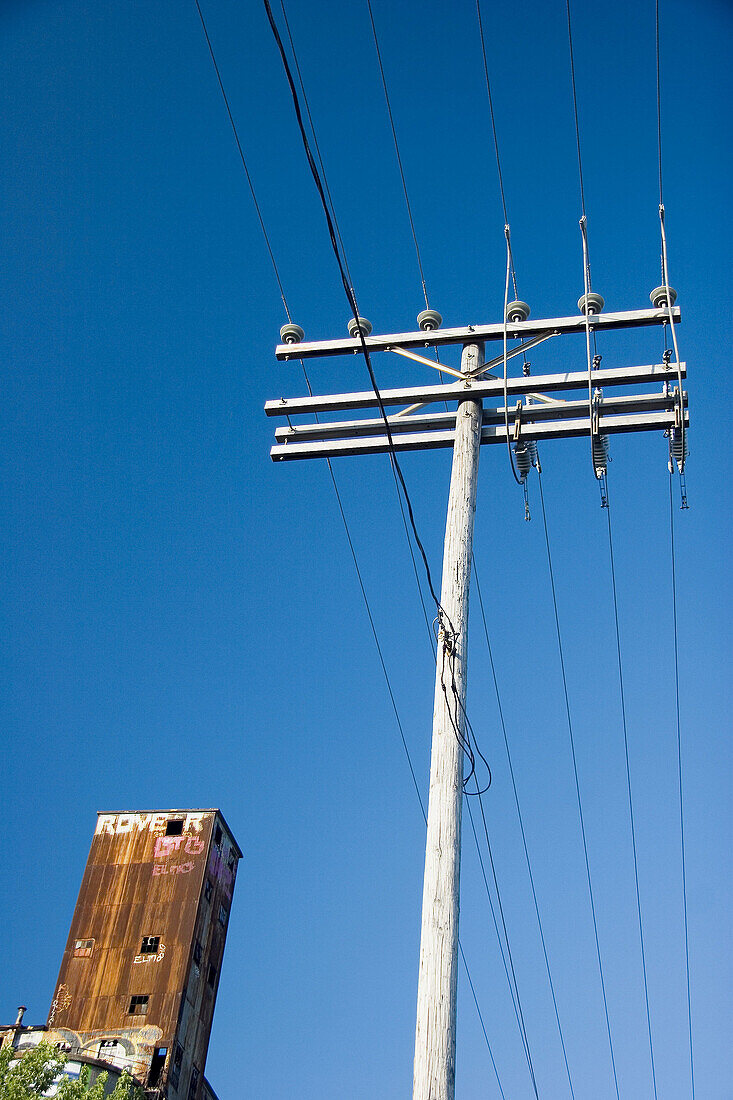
(577, 790)
(679, 777)
(341, 508)
(631, 801)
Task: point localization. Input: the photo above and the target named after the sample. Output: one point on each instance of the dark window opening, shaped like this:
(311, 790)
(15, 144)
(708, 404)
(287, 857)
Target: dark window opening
(217, 836)
(150, 945)
(138, 1006)
(157, 1065)
(232, 859)
(83, 949)
(197, 953)
(207, 889)
(211, 977)
(174, 827)
(175, 1074)
(193, 1087)
(223, 914)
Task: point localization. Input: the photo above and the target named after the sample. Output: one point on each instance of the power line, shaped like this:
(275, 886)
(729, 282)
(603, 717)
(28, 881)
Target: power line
(575, 107)
(628, 787)
(513, 985)
(341, 508)
(521, 827)
(397, 151)
(679, 775)
(244, 162)
(577, 787)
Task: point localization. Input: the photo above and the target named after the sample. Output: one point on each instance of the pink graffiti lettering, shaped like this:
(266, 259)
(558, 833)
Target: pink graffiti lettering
(172, 868)
(194, 846)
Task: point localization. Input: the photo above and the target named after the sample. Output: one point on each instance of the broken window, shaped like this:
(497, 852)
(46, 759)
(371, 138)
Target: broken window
(218, 836)
(150, 945)
(138, 1005)
(197, 953)
(207, 889)
(223, 914)
(211, 977)
(174, 827)
(83, 949)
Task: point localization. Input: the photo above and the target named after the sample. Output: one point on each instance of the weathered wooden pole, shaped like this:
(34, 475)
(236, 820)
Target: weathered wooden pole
(435, 1032)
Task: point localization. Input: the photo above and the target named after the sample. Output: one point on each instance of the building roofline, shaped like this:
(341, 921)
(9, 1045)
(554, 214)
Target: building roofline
(181, 810)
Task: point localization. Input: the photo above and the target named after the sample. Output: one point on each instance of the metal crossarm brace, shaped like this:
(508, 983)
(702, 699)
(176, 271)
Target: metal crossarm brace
(493, 388)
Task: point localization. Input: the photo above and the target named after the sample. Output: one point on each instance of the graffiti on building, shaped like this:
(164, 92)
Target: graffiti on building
(166, 845)
(220, 869)
(119, 824)
(151, 958)
(61, 1003)
(172, 868)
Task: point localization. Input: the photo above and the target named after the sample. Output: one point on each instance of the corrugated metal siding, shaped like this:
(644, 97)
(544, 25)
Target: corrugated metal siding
(139, 882)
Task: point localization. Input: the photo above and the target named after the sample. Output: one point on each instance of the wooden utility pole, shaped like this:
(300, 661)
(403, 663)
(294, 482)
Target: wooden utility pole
(506, 420)
(435, 1032)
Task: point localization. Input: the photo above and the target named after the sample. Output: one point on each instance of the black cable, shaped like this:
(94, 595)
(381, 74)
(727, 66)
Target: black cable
(244, 162)
(351, 299)
(577, 785)
(397, 151)
(521, 827)
(628, 787)
(315, 141)
(344, 520)
(679, 776)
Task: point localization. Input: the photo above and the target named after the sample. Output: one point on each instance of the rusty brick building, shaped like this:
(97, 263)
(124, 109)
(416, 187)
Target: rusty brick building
(139, 975)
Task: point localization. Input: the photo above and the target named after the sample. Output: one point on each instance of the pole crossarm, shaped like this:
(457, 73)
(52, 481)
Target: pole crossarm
(516, 330)
(554, 410)
(491, 433)
(491, 388)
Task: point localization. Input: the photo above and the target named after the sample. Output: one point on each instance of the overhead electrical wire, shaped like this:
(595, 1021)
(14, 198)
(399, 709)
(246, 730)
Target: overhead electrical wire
(628, 788)
(514, 990)
(522, 830)
(673, 564)
(347, 529)
(679, 775)
(351, 297)
(577, 786)
(397, 151)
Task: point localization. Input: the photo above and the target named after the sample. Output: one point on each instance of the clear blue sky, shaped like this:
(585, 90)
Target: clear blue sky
(181, 620)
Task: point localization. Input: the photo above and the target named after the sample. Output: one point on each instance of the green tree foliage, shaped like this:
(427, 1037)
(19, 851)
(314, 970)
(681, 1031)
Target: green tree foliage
(32, 1074)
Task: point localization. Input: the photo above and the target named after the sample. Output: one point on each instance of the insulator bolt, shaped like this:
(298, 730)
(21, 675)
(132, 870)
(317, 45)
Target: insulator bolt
(359, 326)
(591, 303)
(517, 311)
(291, 334)
(429, 319)
(658, 297)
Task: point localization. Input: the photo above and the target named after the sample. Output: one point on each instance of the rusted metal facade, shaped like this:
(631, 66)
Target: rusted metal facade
(138, 980)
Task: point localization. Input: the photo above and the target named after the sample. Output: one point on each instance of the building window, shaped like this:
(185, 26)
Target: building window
(157, 1065)
(232, 860)
(197, 953)
(193, 1087)
(223, 914)
(83, 949)
(218, 836)
(138, 1006)
(150, 945)
(174, 827)
(211, 977)
(207, 889)
(175, 1074)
